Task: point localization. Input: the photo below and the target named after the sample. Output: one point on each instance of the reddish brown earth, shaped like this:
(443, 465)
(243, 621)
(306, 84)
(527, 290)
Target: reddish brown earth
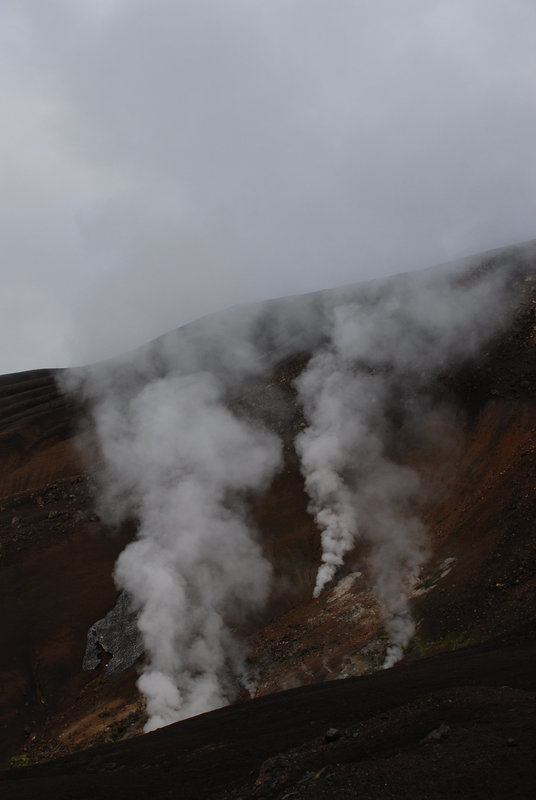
(475, 597)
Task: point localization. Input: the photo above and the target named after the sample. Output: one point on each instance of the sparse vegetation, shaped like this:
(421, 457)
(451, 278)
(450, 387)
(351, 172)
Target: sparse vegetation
(454, 640)
(20, 760)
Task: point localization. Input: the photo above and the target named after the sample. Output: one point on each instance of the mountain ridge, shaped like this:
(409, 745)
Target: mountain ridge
(478, 582)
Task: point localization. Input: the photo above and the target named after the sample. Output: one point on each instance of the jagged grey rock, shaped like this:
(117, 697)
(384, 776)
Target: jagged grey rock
(116, 633)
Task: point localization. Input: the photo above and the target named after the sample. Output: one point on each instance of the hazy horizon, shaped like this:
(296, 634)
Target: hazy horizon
(161, 163)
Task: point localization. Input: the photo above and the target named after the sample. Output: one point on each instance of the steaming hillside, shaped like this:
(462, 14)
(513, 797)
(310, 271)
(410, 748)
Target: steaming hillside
(284, 494)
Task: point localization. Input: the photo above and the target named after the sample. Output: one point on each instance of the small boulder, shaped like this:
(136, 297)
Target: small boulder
(437, 733)
(332, 735)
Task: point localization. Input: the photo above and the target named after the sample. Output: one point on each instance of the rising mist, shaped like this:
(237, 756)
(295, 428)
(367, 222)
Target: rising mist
(179, 459)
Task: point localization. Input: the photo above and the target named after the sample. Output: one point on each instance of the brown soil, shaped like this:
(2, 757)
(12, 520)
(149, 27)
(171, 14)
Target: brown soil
(478, 468)
(457, 725)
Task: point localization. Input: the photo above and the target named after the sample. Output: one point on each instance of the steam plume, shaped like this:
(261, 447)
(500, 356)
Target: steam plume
(358, 389)
(181, 462)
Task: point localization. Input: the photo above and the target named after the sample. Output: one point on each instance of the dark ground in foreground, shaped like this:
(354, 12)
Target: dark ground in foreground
(460, 724)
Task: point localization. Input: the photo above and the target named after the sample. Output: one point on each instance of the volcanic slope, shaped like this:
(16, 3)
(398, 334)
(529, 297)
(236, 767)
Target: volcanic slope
(473, 447)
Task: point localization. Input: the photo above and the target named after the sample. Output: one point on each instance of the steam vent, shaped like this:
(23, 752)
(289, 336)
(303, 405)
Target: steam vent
(285, 551)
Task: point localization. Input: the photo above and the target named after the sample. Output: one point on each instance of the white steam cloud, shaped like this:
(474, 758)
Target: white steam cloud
(380, 355)
(180, 462)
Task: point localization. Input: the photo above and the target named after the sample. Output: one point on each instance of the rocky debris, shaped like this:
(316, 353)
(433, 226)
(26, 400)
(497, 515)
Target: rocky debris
(466, 755)
(117, 635)
(437, 733)
(432, 577)
(332, 735)
(331, 637)
(274, 772)
(59, 508)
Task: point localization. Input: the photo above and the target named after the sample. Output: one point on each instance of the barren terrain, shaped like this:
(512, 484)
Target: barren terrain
(454, 719)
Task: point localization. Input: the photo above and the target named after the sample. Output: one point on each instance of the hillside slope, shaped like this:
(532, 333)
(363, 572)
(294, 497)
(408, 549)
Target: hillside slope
(472, 444)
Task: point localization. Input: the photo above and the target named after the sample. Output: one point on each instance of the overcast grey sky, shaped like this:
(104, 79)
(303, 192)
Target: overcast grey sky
(161, 160)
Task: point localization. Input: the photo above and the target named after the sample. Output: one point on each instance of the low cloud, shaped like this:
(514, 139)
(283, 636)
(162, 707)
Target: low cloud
(163, 161)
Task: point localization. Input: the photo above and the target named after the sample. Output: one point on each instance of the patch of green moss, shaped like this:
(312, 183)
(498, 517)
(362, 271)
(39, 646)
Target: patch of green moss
(20, 760)
(283, 662)
(454, 640)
